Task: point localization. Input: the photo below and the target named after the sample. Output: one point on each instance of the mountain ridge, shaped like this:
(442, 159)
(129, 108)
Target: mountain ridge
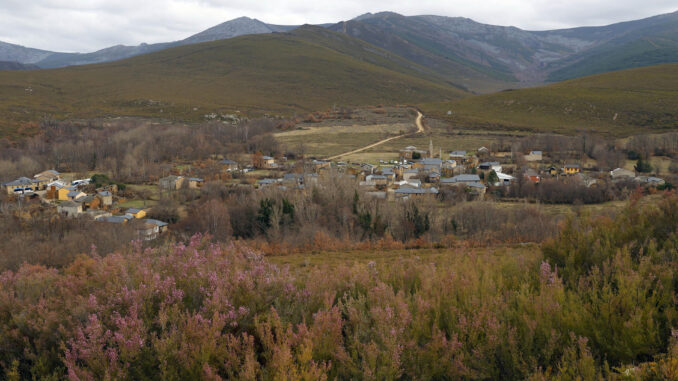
(51, 60)
(306, 70)
(481, 57)
(499, 55)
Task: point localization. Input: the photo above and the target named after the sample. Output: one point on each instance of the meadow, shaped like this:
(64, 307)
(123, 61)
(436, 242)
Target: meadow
(368, 125)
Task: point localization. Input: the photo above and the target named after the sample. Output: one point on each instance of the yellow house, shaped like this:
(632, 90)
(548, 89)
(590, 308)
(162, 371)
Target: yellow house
(136, 213)
(20, 185)
(195, 182)
(62, 193)
(571, 169)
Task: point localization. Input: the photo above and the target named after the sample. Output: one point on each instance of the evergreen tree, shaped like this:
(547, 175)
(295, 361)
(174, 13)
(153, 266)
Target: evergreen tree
(643, 166)
(492, 178)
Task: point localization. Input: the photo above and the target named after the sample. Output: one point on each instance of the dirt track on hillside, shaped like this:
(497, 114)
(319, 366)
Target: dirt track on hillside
(417, 122)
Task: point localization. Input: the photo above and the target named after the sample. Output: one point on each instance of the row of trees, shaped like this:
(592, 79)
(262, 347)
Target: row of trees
(338, 208)
(569, 191)
(132, 150)
(31, 233)
(609, 153)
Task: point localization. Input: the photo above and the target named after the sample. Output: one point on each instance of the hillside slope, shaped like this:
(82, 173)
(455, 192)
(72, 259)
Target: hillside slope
(5, 65)
(619, 103)
(21, 54)
(485, 58)
(626, 45)
(309, 69)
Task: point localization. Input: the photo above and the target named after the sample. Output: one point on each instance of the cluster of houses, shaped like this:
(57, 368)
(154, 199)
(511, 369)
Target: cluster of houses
(29, 186)
(416, 174)
(621, 174)
(146, 228)
(423, 173)
(171, 183)
(70, 199)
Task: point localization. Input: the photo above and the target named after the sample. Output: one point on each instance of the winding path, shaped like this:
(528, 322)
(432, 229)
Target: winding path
(417, 122)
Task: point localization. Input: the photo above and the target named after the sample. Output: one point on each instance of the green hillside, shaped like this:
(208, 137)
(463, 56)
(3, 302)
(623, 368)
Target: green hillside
(639, 43)
(309, 69)
(633, 54)
(618, 103)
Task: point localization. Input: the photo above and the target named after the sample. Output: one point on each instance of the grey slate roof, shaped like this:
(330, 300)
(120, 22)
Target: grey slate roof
(464, 178)
(114, 219)
(416, 190)
(88, 198)
(431, 161)
(21, 181)
(155, 222)
(489, 164)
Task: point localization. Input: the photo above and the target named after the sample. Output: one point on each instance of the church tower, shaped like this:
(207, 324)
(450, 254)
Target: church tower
(430, 148)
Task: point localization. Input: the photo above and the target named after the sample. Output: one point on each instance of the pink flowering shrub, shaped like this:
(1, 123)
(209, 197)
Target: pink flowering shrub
(204, 311)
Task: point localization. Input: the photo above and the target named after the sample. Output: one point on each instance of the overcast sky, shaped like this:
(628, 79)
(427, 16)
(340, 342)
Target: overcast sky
(88, 25)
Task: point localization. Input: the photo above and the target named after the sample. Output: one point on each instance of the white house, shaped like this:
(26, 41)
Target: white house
(621, 173)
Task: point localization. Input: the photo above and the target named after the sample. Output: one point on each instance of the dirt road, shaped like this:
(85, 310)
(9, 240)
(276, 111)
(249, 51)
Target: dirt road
(417, 122)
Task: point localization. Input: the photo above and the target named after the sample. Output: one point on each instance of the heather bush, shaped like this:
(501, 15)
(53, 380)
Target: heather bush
(203, 310)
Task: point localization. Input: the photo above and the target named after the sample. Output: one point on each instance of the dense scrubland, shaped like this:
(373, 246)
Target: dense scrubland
(596, 301)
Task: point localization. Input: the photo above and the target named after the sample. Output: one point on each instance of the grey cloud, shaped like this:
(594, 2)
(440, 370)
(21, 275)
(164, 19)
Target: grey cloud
(88, 25)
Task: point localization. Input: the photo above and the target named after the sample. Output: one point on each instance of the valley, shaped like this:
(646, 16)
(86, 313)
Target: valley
(388, 197)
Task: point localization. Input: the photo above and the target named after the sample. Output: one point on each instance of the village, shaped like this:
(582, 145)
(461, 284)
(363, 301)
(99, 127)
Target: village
(74, 198)
(425, 172)
(417, 173)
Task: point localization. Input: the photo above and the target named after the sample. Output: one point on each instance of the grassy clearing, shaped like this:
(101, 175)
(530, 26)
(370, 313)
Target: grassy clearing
(333, 140)
(137, 204)
(333, 137)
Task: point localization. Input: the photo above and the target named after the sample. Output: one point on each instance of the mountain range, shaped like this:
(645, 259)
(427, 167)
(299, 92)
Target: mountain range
(480, 57)
(486, 58)
(47, 60)
(305, 70)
